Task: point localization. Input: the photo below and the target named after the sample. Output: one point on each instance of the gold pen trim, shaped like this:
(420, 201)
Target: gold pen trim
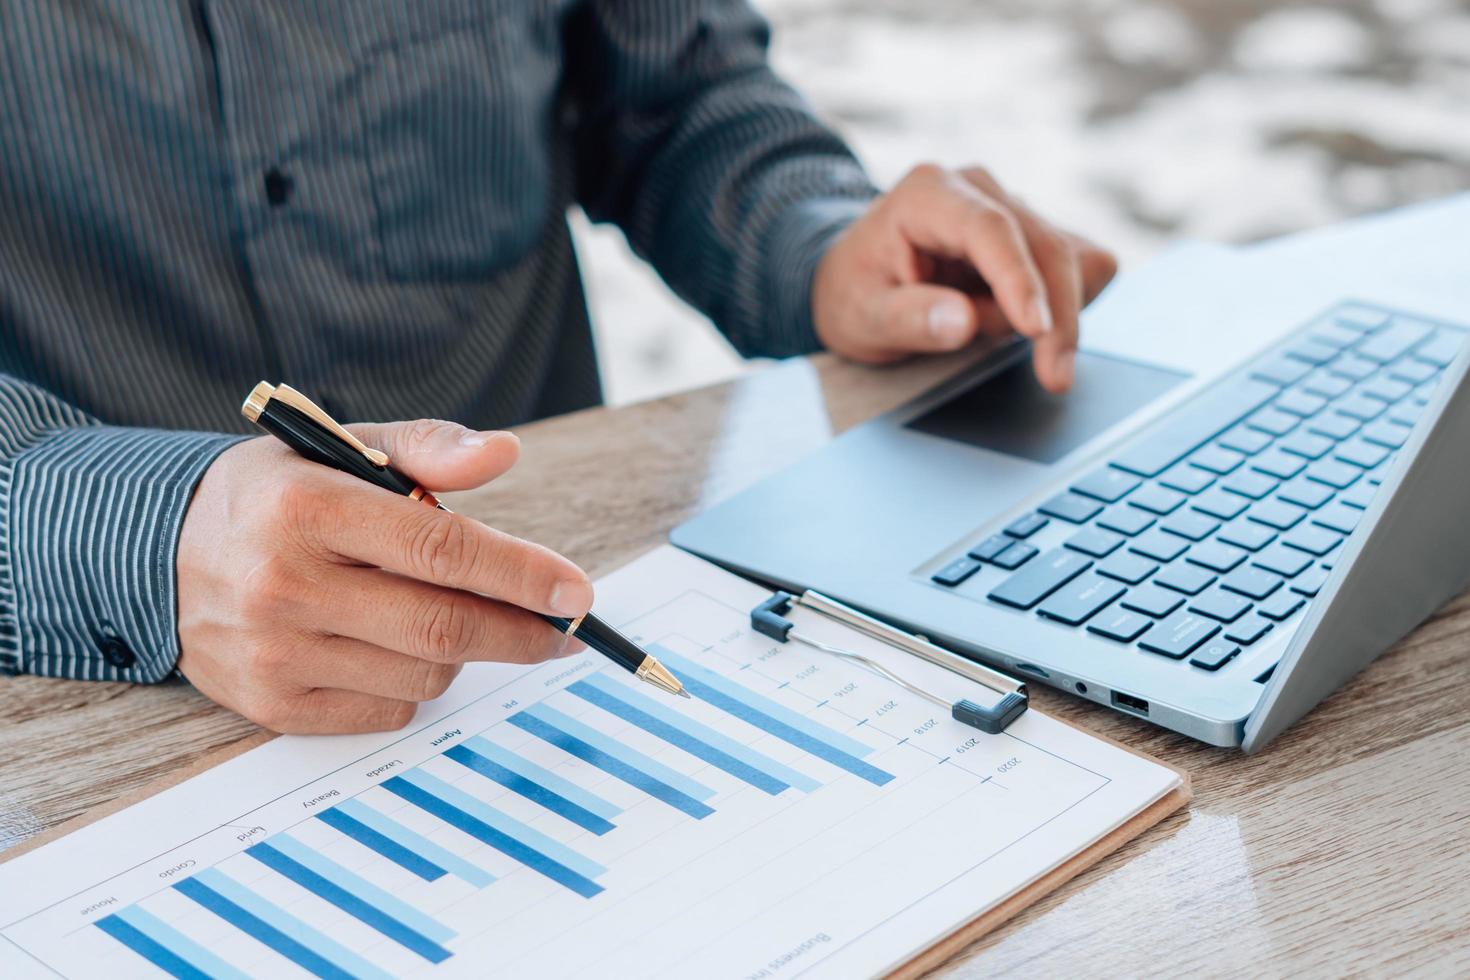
(575, 624)
(262, 393)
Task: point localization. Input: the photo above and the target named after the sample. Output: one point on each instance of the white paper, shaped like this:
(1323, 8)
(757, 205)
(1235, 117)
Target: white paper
(853, 866)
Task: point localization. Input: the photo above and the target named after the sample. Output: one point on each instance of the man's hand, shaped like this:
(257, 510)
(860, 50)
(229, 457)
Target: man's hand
(947, 256)
(310, 601)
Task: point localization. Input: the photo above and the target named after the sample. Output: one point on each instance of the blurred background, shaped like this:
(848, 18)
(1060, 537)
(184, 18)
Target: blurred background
(1136, 122)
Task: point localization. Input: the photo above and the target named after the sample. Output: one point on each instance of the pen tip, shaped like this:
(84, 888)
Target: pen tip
(683, 693)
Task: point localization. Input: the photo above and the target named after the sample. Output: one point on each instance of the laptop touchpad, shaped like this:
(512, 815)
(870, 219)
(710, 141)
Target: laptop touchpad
(1007, 411)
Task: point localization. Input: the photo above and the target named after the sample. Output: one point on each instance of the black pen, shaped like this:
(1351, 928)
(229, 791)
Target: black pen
(296, 420)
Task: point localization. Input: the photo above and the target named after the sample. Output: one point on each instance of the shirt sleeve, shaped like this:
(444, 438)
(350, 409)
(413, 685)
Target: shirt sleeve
(89, 525)
(717, 171)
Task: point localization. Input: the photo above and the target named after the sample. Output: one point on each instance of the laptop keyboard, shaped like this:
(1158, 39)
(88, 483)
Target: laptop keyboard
(1222, 522)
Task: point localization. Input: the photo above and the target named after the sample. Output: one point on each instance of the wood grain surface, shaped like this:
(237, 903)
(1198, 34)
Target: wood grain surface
(1343, 848)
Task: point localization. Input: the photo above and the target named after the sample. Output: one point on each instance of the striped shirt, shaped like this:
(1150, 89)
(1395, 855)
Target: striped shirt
(366, 198)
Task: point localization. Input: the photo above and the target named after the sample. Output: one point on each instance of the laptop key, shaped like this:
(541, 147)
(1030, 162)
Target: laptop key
(1217, 503)
(1310, 582)
(1248, 629)
(1276, 513)
(1255, 583)
(1217, 556)
(1313, 351)
(1385, 389)
(1244, 534)
(1128, 568)
(1227, 607)
(1040, 578)
(1359, 407)
(1412, 371)
(1275, 422)
(1281, 605)
(1157, 500)
(1326, 384)
(1179, 635)
(1071, 507)
(1305, 493)
(1307, 445)
(956, 571)
(1333, 473)
(987, 550)
(1195, 527)
(1108, 484)
(1244, 439)
(1026, 525)
(1300, 403)
(1249, 483)
(1353, 367)
(1018, 554)
(1125, 520)
(1214, 655)
(1313, 539)
(1284, 561)
(1187, 479)
(1159, 546)
(1193, 424)
(1184, 578)
(1152, 600)
(1333, 426)
(1278, 464)
(1081, 599)
(1393, 343)
(1385, 433)
(1120, 625)
(1217, 459)
(1339, 517)
(1281, 370)
(1336, 336)
(1362, 453)
(1362, 320)
(1359, 496)
(1095, 541)
(1440, 350)
(1405, 414)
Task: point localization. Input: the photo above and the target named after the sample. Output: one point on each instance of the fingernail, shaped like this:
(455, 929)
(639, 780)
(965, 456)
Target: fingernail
(1067, 368)
(1041, 313)
(948, 320)
(475, 439)
(570, 597)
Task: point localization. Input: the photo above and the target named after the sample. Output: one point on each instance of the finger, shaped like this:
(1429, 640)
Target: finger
(442, 455)
(1055, 354)
(363, 524)
(434, 624)
(347, 664)
(1099, 266)
(923, 318)
(328, 711)
(950, 216)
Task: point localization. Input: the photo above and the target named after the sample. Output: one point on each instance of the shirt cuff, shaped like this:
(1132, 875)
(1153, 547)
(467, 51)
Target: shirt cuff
(88, 547)
(798, 241)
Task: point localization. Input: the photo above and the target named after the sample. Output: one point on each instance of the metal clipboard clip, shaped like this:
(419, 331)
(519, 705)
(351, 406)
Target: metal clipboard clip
(769, 619)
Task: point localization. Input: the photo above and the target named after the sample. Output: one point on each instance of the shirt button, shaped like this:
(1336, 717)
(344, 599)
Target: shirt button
(116, 652)
(278, 187)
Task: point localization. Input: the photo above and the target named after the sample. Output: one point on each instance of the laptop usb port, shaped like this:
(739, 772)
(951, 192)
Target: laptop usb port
(1129, 703)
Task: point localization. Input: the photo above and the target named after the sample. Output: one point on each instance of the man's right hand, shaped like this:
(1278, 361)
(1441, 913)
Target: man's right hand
(310, 601)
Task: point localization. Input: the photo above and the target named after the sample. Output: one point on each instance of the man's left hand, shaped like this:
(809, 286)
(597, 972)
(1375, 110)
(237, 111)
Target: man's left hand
(948, 256)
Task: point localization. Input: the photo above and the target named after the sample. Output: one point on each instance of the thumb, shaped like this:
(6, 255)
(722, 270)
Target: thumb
(921, 317)
(442, 455)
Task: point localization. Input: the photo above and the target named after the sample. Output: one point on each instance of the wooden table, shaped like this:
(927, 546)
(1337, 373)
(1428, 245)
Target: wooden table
(1344, 846)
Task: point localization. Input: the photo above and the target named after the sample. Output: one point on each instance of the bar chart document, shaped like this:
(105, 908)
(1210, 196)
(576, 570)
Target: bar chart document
(800, 815)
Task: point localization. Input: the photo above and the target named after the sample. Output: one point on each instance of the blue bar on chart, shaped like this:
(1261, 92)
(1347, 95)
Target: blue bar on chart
(777, 719)
(615, 759)
(165, 947)
(475, 758)
(359, 898)
(507, 835)
(656, 718)
(274, 927)
(404, 847)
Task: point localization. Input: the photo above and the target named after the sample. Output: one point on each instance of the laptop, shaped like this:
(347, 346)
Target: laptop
(1210, 542)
